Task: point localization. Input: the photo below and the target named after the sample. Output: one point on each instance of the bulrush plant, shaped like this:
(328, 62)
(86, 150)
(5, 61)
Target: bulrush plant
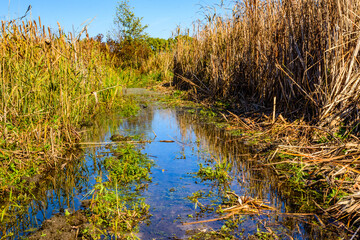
(50, 82)
(304, 53)
(297, 58)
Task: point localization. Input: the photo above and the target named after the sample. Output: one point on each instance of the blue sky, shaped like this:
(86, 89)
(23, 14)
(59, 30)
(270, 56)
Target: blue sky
(162, 16)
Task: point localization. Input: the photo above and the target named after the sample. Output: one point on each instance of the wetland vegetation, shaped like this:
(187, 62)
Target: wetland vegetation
(255, 137)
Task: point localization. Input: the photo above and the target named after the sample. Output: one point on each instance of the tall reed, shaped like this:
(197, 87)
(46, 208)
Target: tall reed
(305, 53)
(50, 81)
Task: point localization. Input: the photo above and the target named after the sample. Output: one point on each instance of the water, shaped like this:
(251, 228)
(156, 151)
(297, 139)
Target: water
(189, 143)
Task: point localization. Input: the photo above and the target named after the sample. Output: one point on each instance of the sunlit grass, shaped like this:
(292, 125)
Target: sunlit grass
(50, 84)
(303, 53)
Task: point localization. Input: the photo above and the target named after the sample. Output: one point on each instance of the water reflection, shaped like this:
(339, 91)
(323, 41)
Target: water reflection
(196, 141)
(193, 142)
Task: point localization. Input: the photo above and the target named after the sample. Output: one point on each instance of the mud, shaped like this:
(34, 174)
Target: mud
(60, 227)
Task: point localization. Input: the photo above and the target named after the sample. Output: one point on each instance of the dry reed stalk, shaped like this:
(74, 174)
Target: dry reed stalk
(304, 53)
(243, 206)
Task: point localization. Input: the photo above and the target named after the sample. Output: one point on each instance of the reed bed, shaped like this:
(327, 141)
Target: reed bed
(51, 82)
(303, 53)
(292, 60)
(315, 162)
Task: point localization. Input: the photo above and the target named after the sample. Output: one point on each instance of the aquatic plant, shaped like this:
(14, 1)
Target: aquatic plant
(128, 165)
(52, 84)
(219, 173)
(116, 207)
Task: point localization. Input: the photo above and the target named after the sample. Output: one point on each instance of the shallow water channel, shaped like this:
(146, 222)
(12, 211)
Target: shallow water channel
(189, 144)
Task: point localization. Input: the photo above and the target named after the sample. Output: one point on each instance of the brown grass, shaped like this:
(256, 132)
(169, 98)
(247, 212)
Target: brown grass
(304, 53)
(297, 60)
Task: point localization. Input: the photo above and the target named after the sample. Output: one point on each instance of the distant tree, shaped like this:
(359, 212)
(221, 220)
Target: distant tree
(127, 25)
(159, 44)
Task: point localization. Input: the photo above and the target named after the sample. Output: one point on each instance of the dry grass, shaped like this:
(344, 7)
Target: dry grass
(241, 205)
(297, 60)
(304, 53)
(311, 159)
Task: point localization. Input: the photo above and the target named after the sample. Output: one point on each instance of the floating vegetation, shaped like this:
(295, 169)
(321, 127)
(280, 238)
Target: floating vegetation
(204, 234)
(240, 205)
(116, 205)
(246, 204)
(219, 173)
(200, 195)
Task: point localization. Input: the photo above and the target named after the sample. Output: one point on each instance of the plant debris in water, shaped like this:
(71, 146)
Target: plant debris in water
(115, 206)
(240, 205)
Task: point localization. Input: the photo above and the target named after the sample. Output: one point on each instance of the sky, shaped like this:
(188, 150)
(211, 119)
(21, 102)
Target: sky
(162, 16)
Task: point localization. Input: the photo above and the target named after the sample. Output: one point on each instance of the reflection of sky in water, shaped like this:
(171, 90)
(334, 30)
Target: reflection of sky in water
(171, 181)
(174, 162)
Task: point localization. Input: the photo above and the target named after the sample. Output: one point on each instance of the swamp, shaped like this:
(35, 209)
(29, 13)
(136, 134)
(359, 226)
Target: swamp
(245, 127)
(164, 173)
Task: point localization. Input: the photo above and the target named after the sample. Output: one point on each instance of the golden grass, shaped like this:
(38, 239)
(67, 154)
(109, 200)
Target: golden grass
(294, 60)
(305, 53)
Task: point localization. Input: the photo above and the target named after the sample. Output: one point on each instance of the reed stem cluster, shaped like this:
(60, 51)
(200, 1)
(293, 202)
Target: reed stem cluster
(303, 53)
(49, 83)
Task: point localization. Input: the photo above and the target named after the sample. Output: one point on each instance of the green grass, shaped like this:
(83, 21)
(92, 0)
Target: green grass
(117, 207)
(52, 84)
(219, 172)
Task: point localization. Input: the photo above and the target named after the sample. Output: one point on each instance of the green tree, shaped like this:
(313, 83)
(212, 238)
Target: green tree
(127, 25)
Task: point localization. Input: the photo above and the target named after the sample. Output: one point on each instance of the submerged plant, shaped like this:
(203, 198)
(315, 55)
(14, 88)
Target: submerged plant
(220, 172)
(128, 165)
(115, 207)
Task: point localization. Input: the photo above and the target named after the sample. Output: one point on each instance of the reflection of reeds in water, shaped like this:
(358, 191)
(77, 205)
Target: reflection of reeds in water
(260, 183)
(141, 122)
(225, 148)
(54, 188)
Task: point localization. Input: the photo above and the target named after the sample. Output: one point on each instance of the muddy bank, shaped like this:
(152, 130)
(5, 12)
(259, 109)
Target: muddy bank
(60, 227)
